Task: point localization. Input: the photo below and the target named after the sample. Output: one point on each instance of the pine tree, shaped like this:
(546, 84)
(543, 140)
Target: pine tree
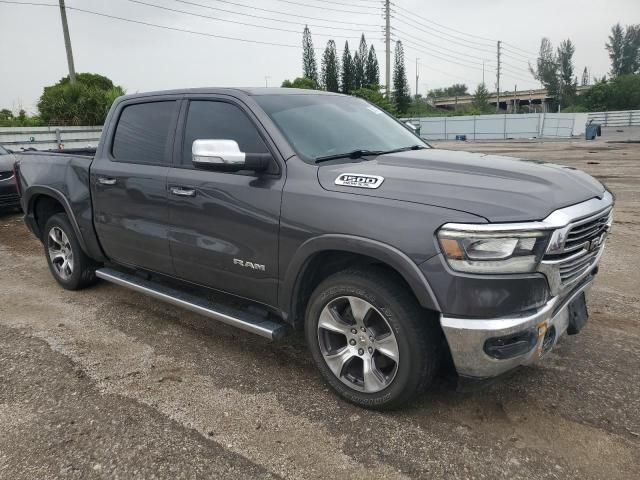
(330, 68)
(624, 49)
(357, 71)
(631, 50)
(401, 94)
(359, 64)
(565, 71)
(615, 46)
(481, 98)
(309, 65)
(372, 70)
(585, 77)
(347, 70)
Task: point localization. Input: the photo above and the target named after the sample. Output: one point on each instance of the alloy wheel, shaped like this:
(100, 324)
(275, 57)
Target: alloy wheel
(358, 344)
(60, 252)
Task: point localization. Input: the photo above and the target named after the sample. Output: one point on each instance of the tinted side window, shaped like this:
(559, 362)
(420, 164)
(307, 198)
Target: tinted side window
(220, 121)
(142, 133)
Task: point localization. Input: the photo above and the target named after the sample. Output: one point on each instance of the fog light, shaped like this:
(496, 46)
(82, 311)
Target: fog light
(510, 346)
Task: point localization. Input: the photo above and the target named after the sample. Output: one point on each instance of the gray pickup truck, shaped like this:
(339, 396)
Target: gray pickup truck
(312, 210)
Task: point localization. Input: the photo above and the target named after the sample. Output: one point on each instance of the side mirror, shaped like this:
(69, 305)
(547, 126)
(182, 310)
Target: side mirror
(413, 127)
(225, 156)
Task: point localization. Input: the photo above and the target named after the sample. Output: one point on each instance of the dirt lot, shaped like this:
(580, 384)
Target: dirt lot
(107, 383)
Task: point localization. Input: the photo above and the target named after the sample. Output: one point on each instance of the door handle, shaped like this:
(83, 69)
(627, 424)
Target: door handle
(183, 192)
(106, 181)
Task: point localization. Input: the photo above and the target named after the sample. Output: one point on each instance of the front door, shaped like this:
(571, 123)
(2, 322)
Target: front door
(129, 185)
(224, 226)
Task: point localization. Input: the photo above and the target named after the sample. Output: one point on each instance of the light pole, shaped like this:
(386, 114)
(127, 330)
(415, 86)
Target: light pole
(67, 42)
(417, 75)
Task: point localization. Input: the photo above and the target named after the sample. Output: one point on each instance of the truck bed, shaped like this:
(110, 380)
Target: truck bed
(65, 177)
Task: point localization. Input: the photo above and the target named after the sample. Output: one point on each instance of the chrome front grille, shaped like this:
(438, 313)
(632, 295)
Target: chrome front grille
(576, 248)
(584, 233)
(572, 269)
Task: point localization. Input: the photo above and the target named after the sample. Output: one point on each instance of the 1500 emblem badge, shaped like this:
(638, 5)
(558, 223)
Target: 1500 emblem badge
(359, 180)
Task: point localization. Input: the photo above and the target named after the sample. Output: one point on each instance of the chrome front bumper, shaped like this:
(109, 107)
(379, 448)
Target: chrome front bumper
(467, 336)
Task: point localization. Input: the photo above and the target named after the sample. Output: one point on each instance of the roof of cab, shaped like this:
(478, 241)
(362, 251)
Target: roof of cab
(230, 91)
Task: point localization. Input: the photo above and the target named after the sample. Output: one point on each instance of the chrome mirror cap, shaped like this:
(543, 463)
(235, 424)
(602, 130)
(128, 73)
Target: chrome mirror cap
(217, 153)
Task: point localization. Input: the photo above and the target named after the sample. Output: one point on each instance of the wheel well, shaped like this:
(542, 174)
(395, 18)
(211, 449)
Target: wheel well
(44, 207)
(322, 265)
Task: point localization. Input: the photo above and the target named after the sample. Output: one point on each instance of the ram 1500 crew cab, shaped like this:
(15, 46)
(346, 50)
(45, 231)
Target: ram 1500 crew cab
(321, 211)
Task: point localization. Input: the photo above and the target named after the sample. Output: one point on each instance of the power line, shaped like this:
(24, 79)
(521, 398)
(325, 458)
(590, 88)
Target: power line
(454, 38)
(208, 17)
(277, 12)
(409, 22)
(417, 48)
(433, 45)
(329, 8)
(529, 53)
(413, 14)
(155, 25)
(518, 59)
(430, 67)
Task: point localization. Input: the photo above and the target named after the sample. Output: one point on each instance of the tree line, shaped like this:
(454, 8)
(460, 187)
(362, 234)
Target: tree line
(88, 100)
(555, 70)
(357, 74)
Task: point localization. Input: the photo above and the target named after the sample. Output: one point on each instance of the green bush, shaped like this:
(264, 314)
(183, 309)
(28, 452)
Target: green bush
(621, 93)
(86, 102)
(301, 82)
(372, 94)
(8, 119)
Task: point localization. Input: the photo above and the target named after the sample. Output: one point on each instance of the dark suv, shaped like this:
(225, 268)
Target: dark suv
(8, 193)
(320, 211)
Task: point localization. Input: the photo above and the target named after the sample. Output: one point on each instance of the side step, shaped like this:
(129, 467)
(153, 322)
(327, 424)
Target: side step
(231, 316)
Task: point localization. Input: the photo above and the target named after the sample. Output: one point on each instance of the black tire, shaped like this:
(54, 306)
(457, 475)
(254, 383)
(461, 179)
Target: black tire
(417, 335)
(83, 273)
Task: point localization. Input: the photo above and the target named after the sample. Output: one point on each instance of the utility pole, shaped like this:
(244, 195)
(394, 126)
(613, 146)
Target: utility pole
(483, 71)
(417, 78)
(387, 39)
(67, 42)
(515, 95)
(498, 79)
(266, 80)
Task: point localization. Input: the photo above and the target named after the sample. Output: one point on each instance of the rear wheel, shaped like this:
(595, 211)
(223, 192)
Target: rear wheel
(370, 338)
(69, 265)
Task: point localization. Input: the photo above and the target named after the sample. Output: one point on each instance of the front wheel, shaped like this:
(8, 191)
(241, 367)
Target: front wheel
(370, 338)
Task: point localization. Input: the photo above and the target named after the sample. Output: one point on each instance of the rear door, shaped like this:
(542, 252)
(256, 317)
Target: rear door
(224, 234)
(129, 183)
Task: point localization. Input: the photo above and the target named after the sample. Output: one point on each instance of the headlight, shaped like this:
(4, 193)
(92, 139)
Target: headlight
(492, 251)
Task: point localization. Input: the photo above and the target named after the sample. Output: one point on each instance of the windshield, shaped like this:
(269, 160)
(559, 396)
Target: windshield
(3, 151)
(318, 126)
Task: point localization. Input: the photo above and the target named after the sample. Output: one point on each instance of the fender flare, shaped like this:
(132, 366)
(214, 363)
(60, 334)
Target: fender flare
(33, 193)
(396, 259)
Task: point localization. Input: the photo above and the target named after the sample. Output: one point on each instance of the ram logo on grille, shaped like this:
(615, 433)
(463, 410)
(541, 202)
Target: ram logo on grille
(359, 180)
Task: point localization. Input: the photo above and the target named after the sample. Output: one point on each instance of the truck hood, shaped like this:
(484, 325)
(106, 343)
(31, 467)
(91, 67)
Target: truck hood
(500, 189)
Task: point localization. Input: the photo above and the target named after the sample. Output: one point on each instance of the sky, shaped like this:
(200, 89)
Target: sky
(451, 39)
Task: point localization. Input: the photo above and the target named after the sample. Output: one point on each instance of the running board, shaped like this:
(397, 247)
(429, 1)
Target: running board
(242, 319)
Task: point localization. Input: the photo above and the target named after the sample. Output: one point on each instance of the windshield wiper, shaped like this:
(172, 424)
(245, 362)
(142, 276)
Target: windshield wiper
(352, 154)
(405, 149)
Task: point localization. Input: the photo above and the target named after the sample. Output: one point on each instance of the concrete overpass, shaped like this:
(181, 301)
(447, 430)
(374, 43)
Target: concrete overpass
(537, 99)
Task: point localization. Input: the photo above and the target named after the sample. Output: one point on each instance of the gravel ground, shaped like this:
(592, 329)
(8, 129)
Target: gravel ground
(107, 383)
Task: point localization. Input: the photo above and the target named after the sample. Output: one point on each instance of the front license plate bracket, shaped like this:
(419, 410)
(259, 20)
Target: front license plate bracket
(578, 314)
